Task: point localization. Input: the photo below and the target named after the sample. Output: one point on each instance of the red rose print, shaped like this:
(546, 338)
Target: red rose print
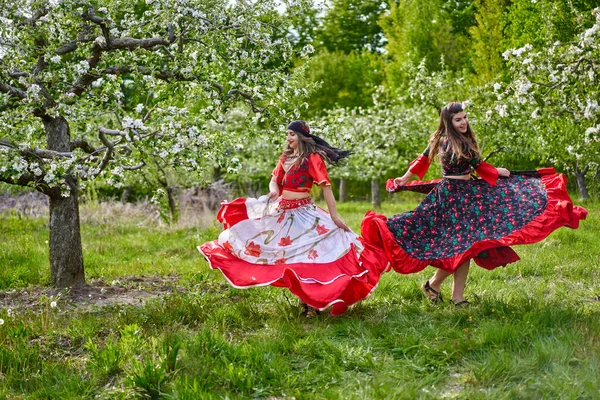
(228, 246)
(285, 241)
(322, 230)
(252, 249)
(312, 254)
(281, 261)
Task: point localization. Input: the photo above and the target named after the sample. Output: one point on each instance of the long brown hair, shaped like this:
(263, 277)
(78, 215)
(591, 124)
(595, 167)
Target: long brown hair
(459, 142)
(306, 146)
(309, 143)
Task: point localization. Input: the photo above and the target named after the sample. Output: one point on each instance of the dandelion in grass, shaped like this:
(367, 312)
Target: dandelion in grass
(53, 304)
(1, 321)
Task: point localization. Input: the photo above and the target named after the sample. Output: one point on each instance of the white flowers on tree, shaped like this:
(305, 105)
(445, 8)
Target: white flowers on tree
(89, 92)
(559, 87)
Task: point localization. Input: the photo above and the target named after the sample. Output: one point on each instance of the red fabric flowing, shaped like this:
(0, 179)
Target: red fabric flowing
(319, 286)
(232, 212)
(337, 284)
(488, 254)
(412, 186)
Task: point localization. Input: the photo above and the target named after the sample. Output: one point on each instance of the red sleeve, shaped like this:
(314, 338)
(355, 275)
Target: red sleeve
(278, 168)
(420, 166)
(487, 172)
(317, 169)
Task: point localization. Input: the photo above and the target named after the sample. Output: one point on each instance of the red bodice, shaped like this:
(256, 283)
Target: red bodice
(300, 177)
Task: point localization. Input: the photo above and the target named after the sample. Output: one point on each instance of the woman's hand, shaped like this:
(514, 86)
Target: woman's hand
(403, 180)
(503, 172)
(336, 220)
(273, 195)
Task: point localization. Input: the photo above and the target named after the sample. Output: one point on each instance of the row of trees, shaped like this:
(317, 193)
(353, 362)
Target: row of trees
(529, 70)
(95, 89)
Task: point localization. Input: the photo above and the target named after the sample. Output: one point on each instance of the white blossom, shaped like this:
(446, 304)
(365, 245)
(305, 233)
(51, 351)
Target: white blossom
(502, 110)
(100, 41)
(82, 67)
(306, 50)
(535, 112)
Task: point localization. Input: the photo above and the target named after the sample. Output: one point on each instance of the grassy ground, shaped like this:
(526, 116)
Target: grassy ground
(533, 330)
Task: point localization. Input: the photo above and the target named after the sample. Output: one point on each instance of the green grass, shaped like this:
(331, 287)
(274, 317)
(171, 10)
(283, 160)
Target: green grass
(532, 331)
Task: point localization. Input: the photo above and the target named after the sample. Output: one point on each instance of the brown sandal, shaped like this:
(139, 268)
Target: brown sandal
(431, 293)
(461, 304)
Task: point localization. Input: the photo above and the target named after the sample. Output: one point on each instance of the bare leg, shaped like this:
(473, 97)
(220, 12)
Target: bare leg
(432, 288)
(438, 278)
(460, 280)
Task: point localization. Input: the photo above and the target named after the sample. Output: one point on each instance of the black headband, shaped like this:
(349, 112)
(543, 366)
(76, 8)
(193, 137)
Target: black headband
(300, 127)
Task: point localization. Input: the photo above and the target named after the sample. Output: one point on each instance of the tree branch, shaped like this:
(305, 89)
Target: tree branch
(83, 145)
(249, 99)
(26, 180)
(163, 75)
(4, 88)
(136, 167)
(109, 148)
(111, 132)
(36, 15)
(494, 152)
(37, 152)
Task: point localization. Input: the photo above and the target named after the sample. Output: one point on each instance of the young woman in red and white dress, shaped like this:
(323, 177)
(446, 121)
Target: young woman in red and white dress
(283, 239)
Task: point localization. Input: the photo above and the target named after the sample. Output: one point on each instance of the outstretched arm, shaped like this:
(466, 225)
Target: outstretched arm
(404, 179)
(331, 206)
(273, 189)
(417, 167)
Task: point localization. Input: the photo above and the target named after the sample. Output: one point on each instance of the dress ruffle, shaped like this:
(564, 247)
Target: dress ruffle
(487, 253)
(300, 249)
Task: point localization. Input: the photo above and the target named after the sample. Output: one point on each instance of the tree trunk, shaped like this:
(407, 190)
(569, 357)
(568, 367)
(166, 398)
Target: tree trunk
(66, 255)
(343, 192)
(126, 194)
(580, 177)
(173, 194)
(375, 194)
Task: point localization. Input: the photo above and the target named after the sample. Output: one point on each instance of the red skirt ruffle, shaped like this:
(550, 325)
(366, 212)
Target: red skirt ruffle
(488, 254)
(336, 283)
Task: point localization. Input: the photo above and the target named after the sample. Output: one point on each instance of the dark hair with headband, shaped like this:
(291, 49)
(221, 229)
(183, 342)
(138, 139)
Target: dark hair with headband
(309, 143)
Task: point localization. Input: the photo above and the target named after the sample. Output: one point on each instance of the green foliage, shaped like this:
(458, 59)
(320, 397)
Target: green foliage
(352, 26)
(431, 30)
(346, 80)
(488, 39)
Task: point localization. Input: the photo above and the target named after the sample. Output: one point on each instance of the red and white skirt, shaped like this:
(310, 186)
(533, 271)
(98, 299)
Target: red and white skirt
(294, 244)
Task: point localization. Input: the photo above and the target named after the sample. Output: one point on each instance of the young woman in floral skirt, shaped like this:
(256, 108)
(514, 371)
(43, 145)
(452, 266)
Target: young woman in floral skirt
(284, 239)
(463, 218)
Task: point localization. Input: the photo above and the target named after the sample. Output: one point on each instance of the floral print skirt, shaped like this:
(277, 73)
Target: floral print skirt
(464, 219)
(294, 244)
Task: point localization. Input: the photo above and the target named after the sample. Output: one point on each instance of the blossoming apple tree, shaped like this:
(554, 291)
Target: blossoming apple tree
(66, 67)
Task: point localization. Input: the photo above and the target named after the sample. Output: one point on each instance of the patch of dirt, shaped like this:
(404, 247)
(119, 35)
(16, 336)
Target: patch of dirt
(129, 290)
